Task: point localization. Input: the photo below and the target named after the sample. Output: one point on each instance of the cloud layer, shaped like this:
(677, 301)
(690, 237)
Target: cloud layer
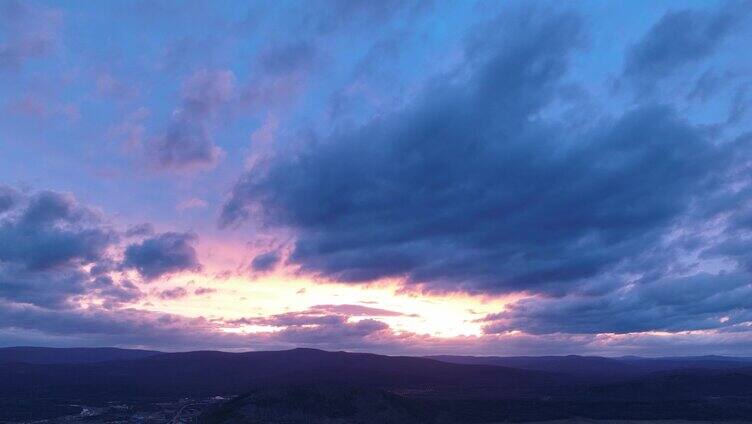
(504, 176)
(472, 188)
(593, 184)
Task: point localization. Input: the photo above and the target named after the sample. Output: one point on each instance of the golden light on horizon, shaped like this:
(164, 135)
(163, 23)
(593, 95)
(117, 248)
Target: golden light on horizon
(237, 297)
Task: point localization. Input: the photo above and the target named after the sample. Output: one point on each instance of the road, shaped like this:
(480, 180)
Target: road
(176, 419)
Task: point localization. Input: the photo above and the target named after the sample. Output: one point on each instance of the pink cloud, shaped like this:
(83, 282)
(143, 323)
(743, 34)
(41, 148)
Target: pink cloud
(192, 203)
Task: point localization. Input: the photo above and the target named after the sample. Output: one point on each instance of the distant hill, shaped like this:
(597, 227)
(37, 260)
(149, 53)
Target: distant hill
(308, 385)
(687, 362)
(575, 365)
(207, 373)
(601, 368)
(50, 355)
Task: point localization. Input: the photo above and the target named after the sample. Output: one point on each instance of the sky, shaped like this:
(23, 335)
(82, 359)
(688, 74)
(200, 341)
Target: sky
(398, 177)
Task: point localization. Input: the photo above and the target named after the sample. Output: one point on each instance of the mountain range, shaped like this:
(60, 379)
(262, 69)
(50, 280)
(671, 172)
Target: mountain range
(310, 382)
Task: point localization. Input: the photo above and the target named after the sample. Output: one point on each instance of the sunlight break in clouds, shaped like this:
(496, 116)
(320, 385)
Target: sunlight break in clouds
(239, 297)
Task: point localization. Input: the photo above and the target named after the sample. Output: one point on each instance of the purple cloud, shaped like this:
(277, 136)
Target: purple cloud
(187, 144)
(203, 291)
(140, 230)
(46, 238)
(469, 188)
(162, 254)
(51, 230)
(265, 261)
(602, 180)
(173, 293)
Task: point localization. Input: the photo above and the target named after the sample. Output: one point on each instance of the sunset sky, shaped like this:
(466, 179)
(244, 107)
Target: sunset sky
(400, 177)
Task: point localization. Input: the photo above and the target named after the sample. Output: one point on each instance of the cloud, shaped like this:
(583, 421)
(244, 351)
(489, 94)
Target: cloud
(127, 327)
(51, 289)
(322, 326)
(42, 106)
(289, 58)
(27, 32)
(192, 203)
(319, 315)
(124, 327)
(187, 144)
(682, 37)
(265, 261)
(163, 254)
(60, 279)
(338, 334)
(202, 291)
(52, 230)
(698, 302)
(448, 164)
(326, 326)
(47, 239)
(173, 293)
(8, 198)
(357, 310)
(472, 188)
(280, 76)
(302, 318)
(114, 293)
(140, 230)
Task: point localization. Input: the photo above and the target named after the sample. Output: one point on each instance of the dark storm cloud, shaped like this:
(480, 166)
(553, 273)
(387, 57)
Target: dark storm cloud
(52, 230)
(701, 301)
(162, 254)
(735, 242)
(51, 289)
(682, 37)
(738, 248)
(265, 261)
(56, 288)
(46, 238)
(187, 144)
(49, 206)
(471, 188)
